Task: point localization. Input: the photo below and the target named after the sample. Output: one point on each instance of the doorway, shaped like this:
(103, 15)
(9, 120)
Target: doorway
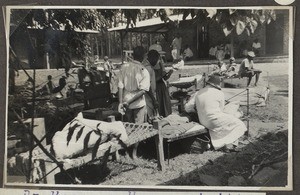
(202, 41)
(275, 36)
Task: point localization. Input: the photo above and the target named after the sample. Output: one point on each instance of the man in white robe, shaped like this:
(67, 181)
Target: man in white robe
(223, 128)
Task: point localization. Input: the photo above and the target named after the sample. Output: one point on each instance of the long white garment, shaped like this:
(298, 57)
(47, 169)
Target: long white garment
(223, 128)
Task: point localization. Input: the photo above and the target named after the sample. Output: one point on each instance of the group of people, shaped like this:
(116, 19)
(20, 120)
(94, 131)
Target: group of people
(220, 52)
(187, 53)
(143, 94)
(245, 69)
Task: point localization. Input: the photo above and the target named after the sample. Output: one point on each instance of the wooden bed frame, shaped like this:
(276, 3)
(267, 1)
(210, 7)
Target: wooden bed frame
(48, 168)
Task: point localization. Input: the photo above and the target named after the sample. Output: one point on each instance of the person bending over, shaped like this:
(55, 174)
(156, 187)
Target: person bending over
(224, 128)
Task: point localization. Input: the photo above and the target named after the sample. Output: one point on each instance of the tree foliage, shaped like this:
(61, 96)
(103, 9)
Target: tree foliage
(71, 20)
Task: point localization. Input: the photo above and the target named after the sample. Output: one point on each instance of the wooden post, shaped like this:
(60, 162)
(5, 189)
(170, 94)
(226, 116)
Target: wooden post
(97, 46)
(51, 170)
(130, 41)
(122, 57)
(196, 84)
(247, 112)
(47, 61)
(116, 153)
(109, 44)
(159, 146)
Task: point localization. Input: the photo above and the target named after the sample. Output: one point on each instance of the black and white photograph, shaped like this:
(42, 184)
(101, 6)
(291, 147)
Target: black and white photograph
(149, 97)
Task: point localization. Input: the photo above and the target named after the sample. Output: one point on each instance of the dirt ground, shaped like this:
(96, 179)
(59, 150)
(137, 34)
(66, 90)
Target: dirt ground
(186, 168)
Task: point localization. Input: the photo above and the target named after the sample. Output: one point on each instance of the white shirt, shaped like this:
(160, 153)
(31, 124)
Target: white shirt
(156, 47)
(188, 52)
(256, 45)
(133, 78)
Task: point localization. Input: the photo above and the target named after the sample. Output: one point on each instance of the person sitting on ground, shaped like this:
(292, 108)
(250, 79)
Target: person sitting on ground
(212, 52)
(231, 69)
(219, 69)
(187, 53)
(220, 53)
(134, 82)
(256, 46)
(178, 64)
(247, 69)
(224, 128)
(48, 87)
(156, 46)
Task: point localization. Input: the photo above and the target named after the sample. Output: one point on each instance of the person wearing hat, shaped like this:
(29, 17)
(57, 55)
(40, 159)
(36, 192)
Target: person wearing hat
(247, 70)
(224, 128)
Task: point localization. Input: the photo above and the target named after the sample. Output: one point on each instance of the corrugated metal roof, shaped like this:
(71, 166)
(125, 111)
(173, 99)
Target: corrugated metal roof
(154, 25)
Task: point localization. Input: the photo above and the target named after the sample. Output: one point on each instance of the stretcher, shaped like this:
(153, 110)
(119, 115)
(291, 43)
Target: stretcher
(44, 169)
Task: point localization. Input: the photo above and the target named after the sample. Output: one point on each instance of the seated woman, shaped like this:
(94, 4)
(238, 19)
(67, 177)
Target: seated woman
(224, 128)
(219, 69)
(231, 69)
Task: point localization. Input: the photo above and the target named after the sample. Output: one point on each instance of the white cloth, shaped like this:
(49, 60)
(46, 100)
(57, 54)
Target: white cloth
(63, 149)
(223, 128)
(179, 65)
(212, 51)
(174, 53)
(133, 78)
(256, 45)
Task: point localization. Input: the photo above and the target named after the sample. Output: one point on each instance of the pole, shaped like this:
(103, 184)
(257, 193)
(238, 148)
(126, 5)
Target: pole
(247, 112)
(122, 57)
(32, 124)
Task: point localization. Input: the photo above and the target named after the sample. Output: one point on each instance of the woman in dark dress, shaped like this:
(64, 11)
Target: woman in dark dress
(162, 92)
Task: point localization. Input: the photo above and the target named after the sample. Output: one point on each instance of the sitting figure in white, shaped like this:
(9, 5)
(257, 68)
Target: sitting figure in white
(224, 128)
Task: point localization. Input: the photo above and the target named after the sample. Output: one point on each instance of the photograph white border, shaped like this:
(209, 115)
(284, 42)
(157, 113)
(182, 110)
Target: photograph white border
(227, 188)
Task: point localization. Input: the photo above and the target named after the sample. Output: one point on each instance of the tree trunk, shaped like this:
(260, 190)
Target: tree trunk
(109, 44)
(232, 45)
(130, 41)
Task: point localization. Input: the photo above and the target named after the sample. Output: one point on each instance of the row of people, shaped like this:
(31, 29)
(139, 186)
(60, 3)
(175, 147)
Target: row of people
(142, 88)
(245, 69)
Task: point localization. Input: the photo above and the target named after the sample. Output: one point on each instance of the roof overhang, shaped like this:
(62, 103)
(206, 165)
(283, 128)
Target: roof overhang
(154, 25)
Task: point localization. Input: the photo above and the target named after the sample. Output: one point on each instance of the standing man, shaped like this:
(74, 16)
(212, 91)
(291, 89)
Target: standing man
(247, 70)
(134, 81)
(176, 45)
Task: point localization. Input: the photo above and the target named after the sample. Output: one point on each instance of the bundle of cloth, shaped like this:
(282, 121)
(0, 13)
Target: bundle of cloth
(82, 134)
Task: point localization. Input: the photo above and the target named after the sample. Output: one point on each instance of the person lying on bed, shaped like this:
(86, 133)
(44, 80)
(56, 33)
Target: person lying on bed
(224, 128)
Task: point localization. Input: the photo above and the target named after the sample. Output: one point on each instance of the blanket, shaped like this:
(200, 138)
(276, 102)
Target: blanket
(81, 134)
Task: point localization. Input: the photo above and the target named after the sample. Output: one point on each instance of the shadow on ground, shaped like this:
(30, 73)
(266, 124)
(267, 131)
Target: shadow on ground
(262, 156)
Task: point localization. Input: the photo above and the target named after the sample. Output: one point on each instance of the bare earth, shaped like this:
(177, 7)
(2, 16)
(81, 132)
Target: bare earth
(186, 168)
